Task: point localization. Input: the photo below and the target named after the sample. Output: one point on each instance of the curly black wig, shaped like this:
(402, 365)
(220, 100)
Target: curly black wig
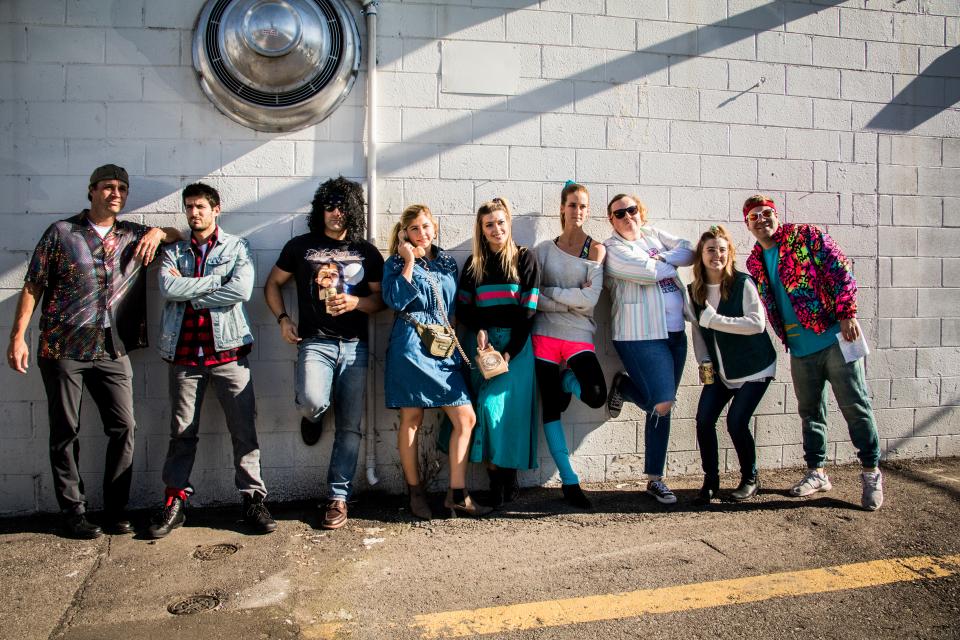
(349, 195)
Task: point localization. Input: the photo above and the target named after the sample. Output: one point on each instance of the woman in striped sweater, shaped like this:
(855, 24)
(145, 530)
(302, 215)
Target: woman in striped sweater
(648, 326)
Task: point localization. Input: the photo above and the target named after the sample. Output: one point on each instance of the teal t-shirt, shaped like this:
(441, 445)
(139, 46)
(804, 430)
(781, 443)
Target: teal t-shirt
(800, 340)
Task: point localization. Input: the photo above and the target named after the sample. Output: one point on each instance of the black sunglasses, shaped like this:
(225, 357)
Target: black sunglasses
(330, 207)
(626, 211)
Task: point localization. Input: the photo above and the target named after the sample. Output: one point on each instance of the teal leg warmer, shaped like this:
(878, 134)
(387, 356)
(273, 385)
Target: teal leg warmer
(569, 383)
(558, 449)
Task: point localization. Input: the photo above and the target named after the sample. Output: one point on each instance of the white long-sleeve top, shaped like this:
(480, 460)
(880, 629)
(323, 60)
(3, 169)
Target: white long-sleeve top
(632, 275)
(565, 306)
(753, 321)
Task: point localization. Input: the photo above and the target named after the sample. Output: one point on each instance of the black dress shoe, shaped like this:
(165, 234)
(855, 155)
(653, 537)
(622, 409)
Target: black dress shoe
(256, 516)
(575, 497)
(77, 526)
(311, 431)
(171, 517)
(117, 522)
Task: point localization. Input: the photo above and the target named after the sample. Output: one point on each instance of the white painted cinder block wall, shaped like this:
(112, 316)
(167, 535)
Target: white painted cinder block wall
(854, 127)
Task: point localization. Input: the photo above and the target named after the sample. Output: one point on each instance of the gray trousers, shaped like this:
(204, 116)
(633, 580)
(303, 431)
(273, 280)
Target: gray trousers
(234, 389)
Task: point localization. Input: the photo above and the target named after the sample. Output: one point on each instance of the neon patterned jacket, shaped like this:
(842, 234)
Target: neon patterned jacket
(499, 301)
(815, 274)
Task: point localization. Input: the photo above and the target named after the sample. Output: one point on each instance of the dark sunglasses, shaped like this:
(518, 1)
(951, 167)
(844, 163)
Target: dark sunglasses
(626, 211)
(330, 207)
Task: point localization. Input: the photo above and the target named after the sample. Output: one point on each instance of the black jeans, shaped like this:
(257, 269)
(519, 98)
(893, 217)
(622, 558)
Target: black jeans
(713, 399)
(110, 384)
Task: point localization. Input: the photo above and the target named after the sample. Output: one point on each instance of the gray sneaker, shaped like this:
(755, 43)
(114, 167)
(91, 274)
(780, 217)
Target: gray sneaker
(813, 482)
(872, 496)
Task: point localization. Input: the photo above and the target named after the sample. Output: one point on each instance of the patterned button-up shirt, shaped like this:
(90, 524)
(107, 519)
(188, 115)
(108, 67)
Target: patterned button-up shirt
(91, 286)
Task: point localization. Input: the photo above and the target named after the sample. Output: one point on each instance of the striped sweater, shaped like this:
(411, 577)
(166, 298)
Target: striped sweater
(501, 302)
(631, 275)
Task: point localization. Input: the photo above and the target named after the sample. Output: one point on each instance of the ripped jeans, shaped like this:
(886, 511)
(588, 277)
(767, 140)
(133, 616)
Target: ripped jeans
(654, 367)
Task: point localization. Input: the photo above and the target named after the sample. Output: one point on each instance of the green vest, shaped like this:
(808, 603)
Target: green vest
(742, 355)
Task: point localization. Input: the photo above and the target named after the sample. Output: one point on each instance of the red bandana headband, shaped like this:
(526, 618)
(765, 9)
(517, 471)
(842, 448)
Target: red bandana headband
(750, 206)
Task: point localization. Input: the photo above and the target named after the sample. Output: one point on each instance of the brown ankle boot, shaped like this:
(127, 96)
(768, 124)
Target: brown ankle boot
(419, 506)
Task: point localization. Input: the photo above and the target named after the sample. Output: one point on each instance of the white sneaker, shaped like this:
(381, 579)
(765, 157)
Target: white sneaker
(872, 496)
(813, 482)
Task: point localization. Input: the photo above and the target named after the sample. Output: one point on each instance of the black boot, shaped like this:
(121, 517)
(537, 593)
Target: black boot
(575, 497)
(256, 516)
(709, 491)
(171, 517)
(510, 486)
(76, 525)
(748, 488)
(496, 487)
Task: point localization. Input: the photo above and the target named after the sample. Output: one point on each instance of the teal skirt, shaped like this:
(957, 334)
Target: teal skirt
(506, 407)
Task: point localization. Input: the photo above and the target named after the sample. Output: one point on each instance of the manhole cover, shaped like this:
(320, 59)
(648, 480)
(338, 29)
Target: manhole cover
(194, 604)
(215, 551)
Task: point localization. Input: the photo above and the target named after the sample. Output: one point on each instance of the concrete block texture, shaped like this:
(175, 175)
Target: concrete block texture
(828, 107)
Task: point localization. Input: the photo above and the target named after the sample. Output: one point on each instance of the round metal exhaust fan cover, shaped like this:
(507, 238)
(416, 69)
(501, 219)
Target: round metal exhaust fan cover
(276, 65)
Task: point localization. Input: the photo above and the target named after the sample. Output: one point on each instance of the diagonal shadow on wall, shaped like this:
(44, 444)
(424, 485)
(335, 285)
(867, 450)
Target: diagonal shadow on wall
(630, 67)
(907, 111)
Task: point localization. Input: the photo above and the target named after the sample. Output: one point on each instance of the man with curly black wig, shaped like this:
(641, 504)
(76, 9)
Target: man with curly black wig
(337, 274)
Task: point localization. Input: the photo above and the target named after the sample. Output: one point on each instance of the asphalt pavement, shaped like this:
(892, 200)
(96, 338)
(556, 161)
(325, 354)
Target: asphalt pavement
(775, 567)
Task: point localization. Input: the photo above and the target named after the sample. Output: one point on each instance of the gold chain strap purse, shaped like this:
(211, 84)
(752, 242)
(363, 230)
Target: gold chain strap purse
(440, 340)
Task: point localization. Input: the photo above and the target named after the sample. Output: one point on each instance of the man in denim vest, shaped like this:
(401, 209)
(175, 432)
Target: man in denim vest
(810, 295)
(87, 274)
(337, 274)
(205, 336)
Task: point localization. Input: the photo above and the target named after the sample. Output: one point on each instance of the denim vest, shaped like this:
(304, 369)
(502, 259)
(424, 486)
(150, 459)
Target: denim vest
(226, 283)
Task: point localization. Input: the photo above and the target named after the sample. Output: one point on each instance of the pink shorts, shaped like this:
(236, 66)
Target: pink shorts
(556, 350)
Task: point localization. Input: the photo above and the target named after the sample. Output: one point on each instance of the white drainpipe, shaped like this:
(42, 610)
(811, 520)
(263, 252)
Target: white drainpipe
(370, 11)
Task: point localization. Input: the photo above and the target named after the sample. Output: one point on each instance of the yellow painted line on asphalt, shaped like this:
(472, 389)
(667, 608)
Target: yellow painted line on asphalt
(555, 613)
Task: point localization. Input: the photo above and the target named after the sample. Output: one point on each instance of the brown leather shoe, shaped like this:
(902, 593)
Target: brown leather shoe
(335, 515)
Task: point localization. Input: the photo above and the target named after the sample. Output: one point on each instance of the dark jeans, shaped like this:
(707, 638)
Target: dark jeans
(110, 383)
(713, 399)
(234, 388)
(654, 367)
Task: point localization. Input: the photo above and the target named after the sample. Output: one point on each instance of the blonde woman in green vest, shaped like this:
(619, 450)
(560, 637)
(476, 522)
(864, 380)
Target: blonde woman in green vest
(729, 332)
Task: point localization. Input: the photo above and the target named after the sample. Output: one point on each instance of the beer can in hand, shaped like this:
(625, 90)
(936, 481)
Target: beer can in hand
(328, 294)
(706, 372)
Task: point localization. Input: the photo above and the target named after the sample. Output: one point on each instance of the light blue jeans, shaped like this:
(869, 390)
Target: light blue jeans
(810, 376)
(335, 368)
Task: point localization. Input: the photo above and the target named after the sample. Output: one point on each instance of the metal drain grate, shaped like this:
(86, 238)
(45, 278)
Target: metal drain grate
(215, 551)
(194, 604)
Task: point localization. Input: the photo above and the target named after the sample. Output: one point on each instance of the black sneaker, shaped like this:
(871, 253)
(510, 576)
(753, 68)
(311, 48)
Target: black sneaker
(311, 431)
(256, 516)
(168, 519)
(575, 497)
(659, 490)
(77, 526)
(615, 397)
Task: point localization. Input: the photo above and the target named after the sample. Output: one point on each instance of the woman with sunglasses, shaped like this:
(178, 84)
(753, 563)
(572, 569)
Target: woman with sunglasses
(419, 283)
(498, 295)
(648, 326)
(571, 279)
(729, 323)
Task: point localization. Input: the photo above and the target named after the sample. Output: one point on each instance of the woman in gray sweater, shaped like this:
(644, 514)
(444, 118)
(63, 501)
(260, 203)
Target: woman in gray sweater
(571, 279)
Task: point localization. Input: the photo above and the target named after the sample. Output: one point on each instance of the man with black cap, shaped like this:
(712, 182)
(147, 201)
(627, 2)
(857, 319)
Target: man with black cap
(337, 274)
(87, 271)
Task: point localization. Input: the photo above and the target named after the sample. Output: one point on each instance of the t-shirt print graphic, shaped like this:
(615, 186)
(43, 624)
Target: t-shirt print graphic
(667, 285)
(334, 271)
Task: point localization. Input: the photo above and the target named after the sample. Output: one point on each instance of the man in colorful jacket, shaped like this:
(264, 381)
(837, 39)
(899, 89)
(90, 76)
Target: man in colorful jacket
(810, 295)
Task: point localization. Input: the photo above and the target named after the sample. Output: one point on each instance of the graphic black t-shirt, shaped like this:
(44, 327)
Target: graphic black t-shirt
(322, 266)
